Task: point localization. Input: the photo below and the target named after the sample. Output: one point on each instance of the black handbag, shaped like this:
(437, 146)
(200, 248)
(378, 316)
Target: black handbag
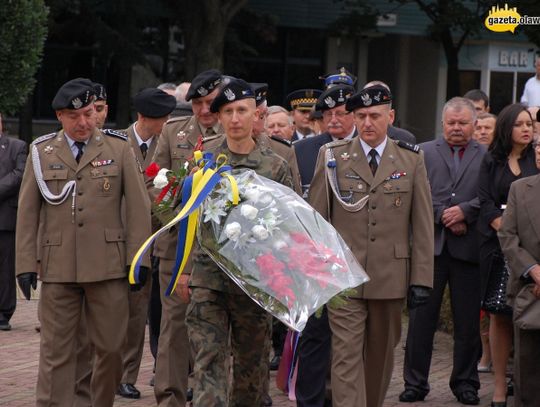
(495, 297)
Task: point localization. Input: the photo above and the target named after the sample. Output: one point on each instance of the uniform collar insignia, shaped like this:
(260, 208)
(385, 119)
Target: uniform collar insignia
(48, 149)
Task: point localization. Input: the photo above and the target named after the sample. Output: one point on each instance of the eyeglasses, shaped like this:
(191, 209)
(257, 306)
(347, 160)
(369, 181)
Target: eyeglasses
(337, 115)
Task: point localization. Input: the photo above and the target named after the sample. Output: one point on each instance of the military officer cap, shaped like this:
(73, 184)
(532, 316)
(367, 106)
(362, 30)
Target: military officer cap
(372, 96)
(101, 93)
(74, 94)
(260, 89)
(303, 99)
(153, 102)
(342, 77)
(335, 96)
(203, 84)
(236, 89)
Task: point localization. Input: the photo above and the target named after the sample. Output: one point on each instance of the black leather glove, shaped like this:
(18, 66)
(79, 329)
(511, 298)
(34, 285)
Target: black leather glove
(418, 295)
(143, 274)
(26, 282)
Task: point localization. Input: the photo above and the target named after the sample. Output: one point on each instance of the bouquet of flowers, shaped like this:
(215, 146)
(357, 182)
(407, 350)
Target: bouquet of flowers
(276, 248)
(169, 183)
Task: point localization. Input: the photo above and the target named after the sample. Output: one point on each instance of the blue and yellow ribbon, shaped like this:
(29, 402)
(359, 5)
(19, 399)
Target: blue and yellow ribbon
(195, 189)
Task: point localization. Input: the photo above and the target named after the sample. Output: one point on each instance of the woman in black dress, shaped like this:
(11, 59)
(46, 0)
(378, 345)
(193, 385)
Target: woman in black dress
(510, 157)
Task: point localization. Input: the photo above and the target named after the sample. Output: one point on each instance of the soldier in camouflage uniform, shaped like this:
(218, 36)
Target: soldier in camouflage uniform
(218, 308)
(179, 137)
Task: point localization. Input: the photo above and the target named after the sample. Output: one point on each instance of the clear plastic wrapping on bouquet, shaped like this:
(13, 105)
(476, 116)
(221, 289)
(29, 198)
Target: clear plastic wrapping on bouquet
(276, 248)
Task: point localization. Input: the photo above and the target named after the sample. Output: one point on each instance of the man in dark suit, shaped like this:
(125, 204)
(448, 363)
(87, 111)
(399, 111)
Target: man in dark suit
(395, 133)
(12, 161)
(452, 165)
(314, 345)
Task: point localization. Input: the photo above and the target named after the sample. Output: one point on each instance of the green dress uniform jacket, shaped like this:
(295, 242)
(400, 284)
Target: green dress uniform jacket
(392, 236)
(83, 238)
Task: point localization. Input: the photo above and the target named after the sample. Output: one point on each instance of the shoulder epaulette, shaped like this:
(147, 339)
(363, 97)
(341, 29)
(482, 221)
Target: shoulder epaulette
(114, 133)
(338, 143)
(281, 140)
(177, 119)
(408, 146)
(43, 138)
(210, 138)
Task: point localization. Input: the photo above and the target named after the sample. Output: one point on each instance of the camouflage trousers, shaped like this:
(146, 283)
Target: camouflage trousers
(212, 318)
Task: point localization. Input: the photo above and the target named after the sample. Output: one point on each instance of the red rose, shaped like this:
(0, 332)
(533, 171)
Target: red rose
(152, 170)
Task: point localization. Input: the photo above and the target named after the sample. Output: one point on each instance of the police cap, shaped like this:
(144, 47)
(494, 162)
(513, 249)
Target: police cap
(303, 99)
(341, 77)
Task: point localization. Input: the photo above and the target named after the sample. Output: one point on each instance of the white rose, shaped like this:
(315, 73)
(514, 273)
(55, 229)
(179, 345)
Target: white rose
(260, 232)
(233, 230)
(279, 244)
(161, 180)
(252, 194)
(248, 211)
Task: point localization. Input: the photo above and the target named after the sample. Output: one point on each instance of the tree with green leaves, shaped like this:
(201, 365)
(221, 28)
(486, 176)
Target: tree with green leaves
(23, 29)
(452, 23)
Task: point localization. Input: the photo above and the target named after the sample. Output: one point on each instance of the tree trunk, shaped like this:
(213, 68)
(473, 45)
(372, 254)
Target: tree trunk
(25, 120)
(452, 75)
(204, 32)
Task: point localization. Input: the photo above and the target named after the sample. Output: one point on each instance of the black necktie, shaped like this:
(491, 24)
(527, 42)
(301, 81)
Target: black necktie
(144, 149)
(80, 145)
(373, 161)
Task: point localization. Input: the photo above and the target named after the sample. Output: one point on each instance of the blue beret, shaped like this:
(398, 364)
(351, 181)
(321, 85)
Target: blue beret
(153, 102)
(74, 94)
(333, 97)
(236, 89)
(372, 96)
(203, 84)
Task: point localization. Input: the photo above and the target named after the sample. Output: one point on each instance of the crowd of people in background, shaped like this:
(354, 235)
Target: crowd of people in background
(457, 212)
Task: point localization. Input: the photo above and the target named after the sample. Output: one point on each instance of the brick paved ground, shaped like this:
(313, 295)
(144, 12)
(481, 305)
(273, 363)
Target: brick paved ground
(19, 350)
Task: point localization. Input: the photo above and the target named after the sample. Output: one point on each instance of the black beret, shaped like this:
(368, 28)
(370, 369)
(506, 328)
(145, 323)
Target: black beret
(372, 96)
(260, 89)
(538, 115)
(303, 99)
(74, 94)
(153, 102)
(333, 97)
(341, 77)
(203, 84)
(236, 89)
(101, 93)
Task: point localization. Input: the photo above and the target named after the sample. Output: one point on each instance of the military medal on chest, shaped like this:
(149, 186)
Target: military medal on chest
(398, 201)
(106, 185)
